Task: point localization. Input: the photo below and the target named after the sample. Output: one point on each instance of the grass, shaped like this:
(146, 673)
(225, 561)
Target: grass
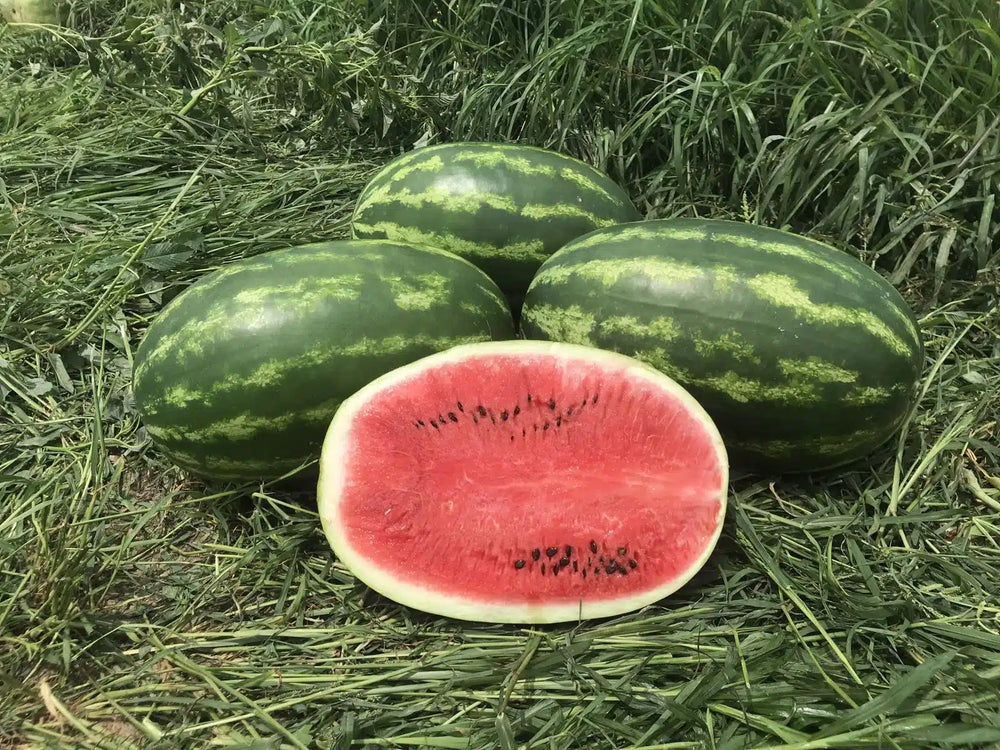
(149, 142)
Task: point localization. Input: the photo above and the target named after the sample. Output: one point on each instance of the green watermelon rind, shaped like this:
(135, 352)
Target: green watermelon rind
(225, 402)
(504, 206)
(717, 305)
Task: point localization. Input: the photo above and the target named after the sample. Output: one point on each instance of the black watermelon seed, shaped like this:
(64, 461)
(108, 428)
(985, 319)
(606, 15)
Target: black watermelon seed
(563, 562)
(622, 551)
(417, 425)
(551, 551)
(504, 415)
(623, 571)
(512, 438)
(558, 421)
(493, 418)
(594, 399)
(545, 426)
(552, 403)
(632, 563)
(584, 574)
(519, 564)
(482, 410)
(524, 432)
(459, 405)
(543, 568)
(601, 558)
(611, 568)
(452, 417)
(434, 424)
(555, 570)
(569, 411)
(583, 404)
(529, 398)
(535, 426)
(597, 571)
(517, 410)
(575, 569)
(475, 419)
(441, 418)
(569, 550)
(593, 546)
(536, 553)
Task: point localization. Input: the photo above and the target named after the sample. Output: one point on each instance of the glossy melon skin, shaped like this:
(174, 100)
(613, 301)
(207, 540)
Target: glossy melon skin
(805, 358)
(239, 375)
(505, 207)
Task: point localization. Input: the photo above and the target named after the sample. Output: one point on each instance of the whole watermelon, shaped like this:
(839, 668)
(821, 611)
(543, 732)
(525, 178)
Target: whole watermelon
(505, 207)
(240, 374)
(804, 357)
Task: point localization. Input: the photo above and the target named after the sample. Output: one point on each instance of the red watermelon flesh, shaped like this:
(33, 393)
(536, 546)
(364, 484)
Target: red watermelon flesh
(523, 481)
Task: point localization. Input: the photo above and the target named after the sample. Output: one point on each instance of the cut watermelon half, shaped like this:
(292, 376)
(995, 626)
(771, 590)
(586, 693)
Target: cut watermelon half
(523, 481)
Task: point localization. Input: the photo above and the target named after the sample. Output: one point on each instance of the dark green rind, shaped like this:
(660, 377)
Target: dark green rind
(699, 324)
(240, 375)
(482, 200)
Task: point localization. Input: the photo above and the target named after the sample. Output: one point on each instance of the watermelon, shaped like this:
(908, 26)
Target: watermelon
(505, 207)
(805, 357)
(239, 375)
(523, 481)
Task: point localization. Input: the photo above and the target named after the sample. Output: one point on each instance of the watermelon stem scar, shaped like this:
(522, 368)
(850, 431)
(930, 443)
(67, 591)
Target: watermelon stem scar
(523, 481)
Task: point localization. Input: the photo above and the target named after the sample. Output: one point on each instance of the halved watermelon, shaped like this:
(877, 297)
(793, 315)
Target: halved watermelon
(523, 481)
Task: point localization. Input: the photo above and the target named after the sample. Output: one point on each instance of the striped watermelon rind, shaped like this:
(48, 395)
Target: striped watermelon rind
(505, 207)
(806, 358)
(240, 374)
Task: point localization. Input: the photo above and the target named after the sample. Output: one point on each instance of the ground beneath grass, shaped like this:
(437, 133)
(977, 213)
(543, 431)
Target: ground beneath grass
(148, 142)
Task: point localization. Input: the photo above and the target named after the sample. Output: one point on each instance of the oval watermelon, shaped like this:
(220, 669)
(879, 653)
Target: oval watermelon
(805, 357)
(505, 207)
(239, 375)
(523, 481)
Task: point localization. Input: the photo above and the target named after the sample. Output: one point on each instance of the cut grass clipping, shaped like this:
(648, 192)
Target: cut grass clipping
(143, 144)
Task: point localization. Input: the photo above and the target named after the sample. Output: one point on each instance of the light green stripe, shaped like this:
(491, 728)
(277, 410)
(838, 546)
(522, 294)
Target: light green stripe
(783, 291)
(494, 295)
(612, 270)
(824, 445)
(244, 426)
(405, 167)
(565, 211)
(195, 337)
(731, 343)
(627, 233)
(224, 467)
(530, 250)
(275, 371)
(661, 329)
(816, 369)
(492, 158)
(828, 258)
(740, 389)
(421, 292)
(568, 324)
(869, 395)
(456, 200)
(584, 182)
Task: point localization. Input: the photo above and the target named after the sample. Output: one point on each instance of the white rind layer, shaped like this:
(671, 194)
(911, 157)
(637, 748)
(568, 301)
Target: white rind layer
(331, 479)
